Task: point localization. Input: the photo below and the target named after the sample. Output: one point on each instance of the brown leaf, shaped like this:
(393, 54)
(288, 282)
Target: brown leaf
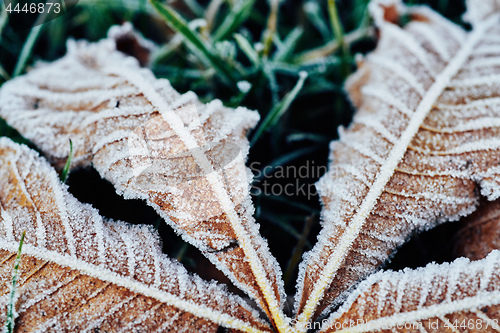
(479, 233)
(187, 159)
(422, 145)
(459, 297)
(130, 42)
(79, 272)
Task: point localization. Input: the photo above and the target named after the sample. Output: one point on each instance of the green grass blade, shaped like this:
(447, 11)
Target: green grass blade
(238, 14)
(280, 108)
(27, 49)
(11, 312)
(315, 16)
(299, 249)
(117, 5)
(268, 71)
(4, 74)
(29, 44)
(244, 88)
(165, 52)
(3, 21)
(247, 48)
(288, 45)
(64, 174)
(360, 14)
(339, 35)
(194, 7)
(297, 137)
(193, 40)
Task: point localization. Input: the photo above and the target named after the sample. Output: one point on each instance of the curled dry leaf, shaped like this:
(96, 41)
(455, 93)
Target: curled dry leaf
(82, 273)
(479, 233)
(437, 298)
(185, 158)
(422, 146)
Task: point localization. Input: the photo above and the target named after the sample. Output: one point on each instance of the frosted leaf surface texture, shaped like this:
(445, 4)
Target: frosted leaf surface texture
(81, 272)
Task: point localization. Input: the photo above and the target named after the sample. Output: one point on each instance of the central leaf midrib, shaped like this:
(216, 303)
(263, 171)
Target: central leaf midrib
(174, 121)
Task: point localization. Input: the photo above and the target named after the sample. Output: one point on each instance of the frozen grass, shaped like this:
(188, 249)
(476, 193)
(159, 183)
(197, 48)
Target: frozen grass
(64, 174)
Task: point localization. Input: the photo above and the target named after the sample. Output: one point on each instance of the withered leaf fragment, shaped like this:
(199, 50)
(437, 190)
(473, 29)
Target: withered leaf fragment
(479, 233)
(437, 298)
(82, 273)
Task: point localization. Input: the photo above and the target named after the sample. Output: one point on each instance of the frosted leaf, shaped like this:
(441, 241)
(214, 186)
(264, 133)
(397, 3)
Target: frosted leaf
(185, 158)
(478, 10)
(421, 148)
(437, 298)
(82, 273)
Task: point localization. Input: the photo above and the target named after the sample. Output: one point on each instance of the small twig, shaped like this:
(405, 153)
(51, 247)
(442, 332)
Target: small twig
(299, 249)
(333, 46)
(182, 252)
